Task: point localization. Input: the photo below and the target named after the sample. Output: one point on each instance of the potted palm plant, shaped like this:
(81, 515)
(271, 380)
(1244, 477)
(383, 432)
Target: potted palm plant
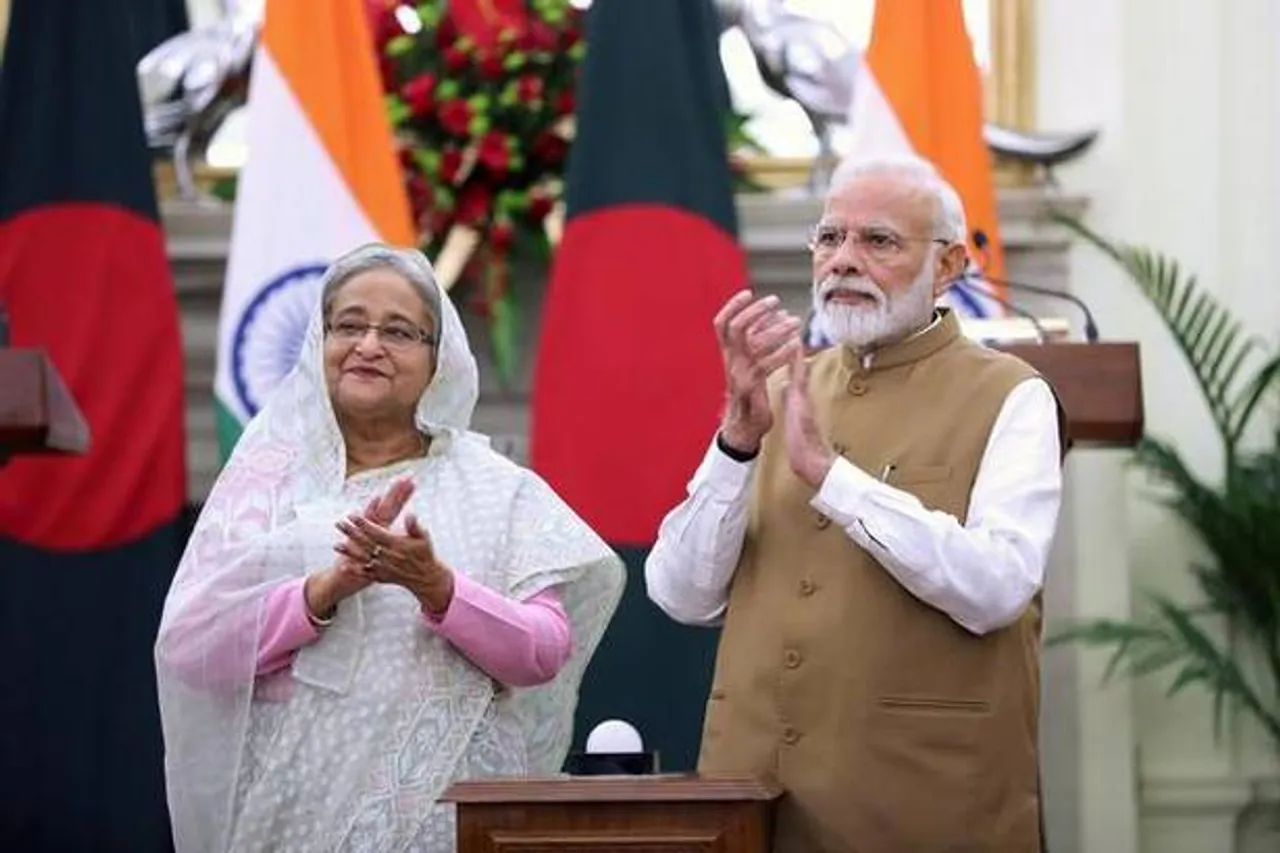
(1236, 515)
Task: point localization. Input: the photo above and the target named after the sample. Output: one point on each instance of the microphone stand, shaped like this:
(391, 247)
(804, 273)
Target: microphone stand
(981, 241)
(970, 284)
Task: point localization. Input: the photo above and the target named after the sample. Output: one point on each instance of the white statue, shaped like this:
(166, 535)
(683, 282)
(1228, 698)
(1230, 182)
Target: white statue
(191, 81)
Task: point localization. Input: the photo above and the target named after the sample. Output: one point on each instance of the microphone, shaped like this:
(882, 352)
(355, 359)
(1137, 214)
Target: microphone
(968, 283)
(613, 748)
(983, 243)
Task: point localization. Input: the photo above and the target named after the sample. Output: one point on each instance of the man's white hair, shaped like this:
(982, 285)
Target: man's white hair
(948, 211)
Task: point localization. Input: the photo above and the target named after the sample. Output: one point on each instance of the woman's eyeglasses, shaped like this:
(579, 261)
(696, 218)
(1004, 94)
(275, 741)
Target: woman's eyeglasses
(393, 335)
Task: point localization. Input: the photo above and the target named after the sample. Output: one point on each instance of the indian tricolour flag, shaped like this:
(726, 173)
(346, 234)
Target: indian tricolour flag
(321, 178)
(918, 90)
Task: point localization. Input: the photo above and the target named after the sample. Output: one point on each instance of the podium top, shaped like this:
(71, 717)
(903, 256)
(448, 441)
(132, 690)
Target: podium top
(674, 787)
(1098, 384)
(37, 414)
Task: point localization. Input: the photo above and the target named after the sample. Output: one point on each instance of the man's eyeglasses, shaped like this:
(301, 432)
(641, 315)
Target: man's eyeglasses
(877, 243)
(393, 335)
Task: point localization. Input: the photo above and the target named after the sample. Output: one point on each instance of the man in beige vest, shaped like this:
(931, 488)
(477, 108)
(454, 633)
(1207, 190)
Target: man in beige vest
(870, 526)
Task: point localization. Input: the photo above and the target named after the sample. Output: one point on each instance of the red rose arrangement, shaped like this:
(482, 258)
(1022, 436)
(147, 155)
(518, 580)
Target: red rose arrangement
(481, 94)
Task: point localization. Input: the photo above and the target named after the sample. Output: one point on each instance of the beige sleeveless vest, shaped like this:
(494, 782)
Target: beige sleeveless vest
(893, 729)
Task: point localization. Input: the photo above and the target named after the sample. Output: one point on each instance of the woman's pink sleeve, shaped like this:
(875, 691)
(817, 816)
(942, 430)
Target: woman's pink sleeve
(519, 643)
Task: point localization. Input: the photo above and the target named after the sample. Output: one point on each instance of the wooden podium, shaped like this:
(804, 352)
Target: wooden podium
(615, 814)
(1099, 385)
(37, 415)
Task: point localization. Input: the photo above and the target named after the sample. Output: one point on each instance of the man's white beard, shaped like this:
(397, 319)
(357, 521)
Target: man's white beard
(863, 326)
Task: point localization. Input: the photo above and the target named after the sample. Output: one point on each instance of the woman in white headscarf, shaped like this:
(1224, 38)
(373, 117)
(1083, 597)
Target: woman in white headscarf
(373, 602)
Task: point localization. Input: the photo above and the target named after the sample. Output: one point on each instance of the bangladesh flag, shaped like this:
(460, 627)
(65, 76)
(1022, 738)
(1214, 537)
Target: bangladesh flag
(88, 544)
(629, 381)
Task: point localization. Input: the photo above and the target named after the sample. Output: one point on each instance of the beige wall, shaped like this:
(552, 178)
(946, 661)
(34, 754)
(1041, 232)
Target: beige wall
(1186, 95)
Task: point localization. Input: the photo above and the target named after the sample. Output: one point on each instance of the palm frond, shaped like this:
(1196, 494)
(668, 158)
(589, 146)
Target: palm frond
(1236, 523)
(1215, 668)
(1237, 518)
(1253, 393)
(1213, 343)
(1170, 639)
(1141, 649)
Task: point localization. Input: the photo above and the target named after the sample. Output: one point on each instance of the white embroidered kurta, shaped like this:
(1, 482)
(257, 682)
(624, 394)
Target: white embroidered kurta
(349, 749)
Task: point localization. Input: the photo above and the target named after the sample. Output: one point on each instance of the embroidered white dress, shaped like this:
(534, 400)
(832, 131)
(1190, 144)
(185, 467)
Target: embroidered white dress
(350, 748)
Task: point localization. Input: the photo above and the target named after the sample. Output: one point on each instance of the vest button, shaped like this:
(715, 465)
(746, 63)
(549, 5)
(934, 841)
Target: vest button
(790, 735)
(807, 587)
(822, 521)
(791, 658)
(857, 387)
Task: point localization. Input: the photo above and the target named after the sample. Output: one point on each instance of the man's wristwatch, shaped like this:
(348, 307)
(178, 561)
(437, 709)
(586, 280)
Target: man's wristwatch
(734, 453)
